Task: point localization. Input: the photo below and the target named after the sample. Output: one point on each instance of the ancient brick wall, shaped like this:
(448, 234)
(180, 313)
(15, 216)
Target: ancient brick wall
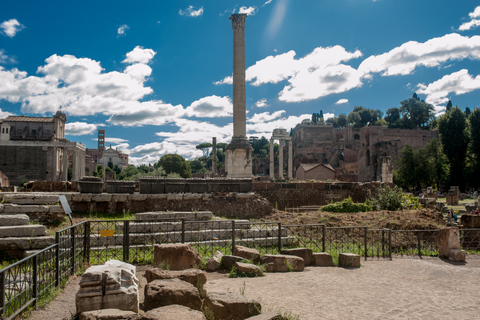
(21, 163)
(291, 195)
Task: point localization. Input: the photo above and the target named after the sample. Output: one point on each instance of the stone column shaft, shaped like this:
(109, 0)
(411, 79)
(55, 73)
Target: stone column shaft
(280, 159)
(214, 155)
(65, 164)
(74, 164)
(239, 95)
(290, 158)
(272, 160)
(55, 159)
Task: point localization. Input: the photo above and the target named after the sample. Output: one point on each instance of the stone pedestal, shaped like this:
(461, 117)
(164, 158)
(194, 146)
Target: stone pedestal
(448, 239)
(349, 260)
(238, 162)
(109, 286)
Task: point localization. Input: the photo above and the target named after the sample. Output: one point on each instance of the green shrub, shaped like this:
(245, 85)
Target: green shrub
(347, 205)
(394, 199)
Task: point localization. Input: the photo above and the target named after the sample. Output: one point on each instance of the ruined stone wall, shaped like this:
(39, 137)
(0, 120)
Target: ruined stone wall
(292, 195)
(230, 205)
(20, 163)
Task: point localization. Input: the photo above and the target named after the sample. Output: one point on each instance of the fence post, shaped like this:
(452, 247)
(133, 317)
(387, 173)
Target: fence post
(126, 240)
(72, 252)
(35, 280)
(390, 242)
(383, 243)
(2, 297)
(419, 244)
(366, 240)
(324, 240)
(183, 230)
(57, 260)
(86, 244)
(233, 236)
(279, 237)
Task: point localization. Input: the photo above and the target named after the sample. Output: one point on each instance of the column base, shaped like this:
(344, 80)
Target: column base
(238, 162)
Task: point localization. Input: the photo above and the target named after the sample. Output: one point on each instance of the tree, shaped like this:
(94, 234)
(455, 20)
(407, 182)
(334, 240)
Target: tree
(467, 112)
(98, 171)
(361, 117)
(392, 116)
(342, 121)
(196, 165)
(449, 105)
(405, 176)
(221, 146)
(453, 130)
(205, 147)
(416, 113)
(474, 119)
(174, 163)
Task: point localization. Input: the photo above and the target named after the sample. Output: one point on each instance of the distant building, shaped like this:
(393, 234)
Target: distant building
(315, 171)
(104, 156)
(35, 148)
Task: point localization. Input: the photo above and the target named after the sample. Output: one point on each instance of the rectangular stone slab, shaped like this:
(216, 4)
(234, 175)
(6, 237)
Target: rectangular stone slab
(26, 243)
(14, 220)
(23, 231)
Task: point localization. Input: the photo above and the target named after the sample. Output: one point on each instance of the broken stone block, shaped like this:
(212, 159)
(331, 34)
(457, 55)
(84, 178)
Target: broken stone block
(470, 220)
(282, 263)
(349, 260)
(213, 263)
(160, 293)
(33, 230)
(457, 255)
(230, 306)
(246, 253)
(267, 316)
(322, 259)
(248, 268)
(14, 220)
(176, 256)
(195, 277)
(173, 312)
(448, 239)
(108, 314)
(304, 253)
(229, 261)
(109, 286)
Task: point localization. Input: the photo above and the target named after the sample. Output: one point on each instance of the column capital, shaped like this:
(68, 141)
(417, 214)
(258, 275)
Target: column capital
(238, 20)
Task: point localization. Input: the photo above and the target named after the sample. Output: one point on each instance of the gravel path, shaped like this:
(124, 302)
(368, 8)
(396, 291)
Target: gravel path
(398, 289)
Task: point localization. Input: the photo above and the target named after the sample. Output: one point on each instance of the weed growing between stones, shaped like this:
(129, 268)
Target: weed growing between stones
(234, 273)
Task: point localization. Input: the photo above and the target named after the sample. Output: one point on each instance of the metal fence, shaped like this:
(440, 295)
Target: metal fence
(32, 279)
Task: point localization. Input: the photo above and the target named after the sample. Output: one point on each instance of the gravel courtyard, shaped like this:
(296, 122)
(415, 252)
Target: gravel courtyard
(398, 289)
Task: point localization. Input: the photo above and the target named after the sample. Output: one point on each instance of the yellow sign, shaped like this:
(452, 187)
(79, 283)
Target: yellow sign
(106, 233)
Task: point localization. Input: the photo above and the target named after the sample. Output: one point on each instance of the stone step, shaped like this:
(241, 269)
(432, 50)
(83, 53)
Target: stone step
(139, 227)
(14, 220)
(22, 198)
(164, 215)
(264, 242)
(26, 243)
(23, 231)
(190, 236)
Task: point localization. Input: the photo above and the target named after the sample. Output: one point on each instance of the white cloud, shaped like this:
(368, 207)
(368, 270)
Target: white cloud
(146, 113)
(459, 82)
(11, 27)
(138, 54)
(248, 10)
(191, 12)
(404, 59)
(122, 29)
(318, 74)
(117, 141)
(473, 23)
(4, 58)
(210, 107)
(265, 116)
(267, 2)
(264, 126)
(4, 114)
(79, 128)
(342, 101)
(328, 116)
(262, 103)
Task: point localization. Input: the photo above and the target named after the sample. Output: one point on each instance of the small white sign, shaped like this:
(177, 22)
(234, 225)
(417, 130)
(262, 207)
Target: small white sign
(66, 207)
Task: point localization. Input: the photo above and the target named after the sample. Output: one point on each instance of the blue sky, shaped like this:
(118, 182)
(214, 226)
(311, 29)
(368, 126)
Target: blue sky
(156, 75)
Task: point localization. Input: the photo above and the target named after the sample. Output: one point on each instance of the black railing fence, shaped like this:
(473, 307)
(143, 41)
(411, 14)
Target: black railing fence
(33, 279)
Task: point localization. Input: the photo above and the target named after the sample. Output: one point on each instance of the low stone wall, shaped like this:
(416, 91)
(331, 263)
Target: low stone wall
(231, 205)
(291, 195)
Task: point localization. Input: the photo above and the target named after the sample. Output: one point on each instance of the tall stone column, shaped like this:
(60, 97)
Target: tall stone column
(214, 156)
(280, 159)
(272, 160)
(74, 164)
(55, 164)
(239, 152)
(290, 158)
(65, 164)
(239, 94)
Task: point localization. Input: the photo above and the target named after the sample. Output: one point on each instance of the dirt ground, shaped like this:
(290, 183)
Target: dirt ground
(398, 289)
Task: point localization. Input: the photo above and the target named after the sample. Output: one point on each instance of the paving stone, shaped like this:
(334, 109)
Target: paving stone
(23, 231)
(14, 220)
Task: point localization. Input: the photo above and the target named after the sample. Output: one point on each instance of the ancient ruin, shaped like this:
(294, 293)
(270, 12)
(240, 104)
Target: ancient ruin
(238, 155)
(281, 135)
